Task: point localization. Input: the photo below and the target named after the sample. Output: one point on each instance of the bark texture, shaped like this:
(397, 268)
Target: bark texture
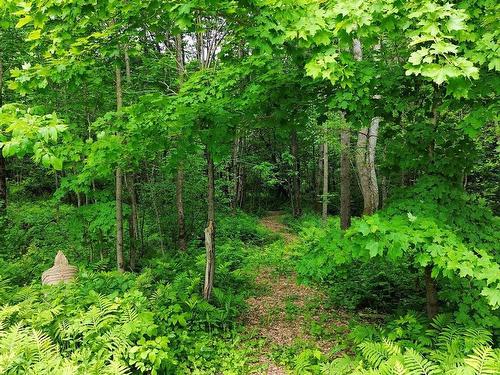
(324, 211)
(296, 195)
(179, 180)
(345, 179)
(133, 221)
(318, 181)
(179, 200)
(237, 199)
(118, 185)
(3, 168)
(365, 164)
(119, 220)
(210, 229)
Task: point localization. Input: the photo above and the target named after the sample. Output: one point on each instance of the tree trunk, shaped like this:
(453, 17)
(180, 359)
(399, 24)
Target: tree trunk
(365, 153)
(241, 175)
(296, 196)
(383, 188)
(345, 179)
(325, 181)
(210, 229)
(3, 185)
(319, 181)
(179, 180)
(133, 221)
(235, 162)
(357, 50)
(127, 66)
(118, 185)
(365, 164)
(364, 177)
(156, 210)
(431, 294)
(371, 151)
(3, 169)
(181, 226)
(119, 220)
(237, 192)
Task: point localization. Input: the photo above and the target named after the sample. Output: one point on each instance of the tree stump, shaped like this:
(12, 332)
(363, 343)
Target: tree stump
(61, 272)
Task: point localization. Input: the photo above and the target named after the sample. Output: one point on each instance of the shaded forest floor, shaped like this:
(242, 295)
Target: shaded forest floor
(285, 316)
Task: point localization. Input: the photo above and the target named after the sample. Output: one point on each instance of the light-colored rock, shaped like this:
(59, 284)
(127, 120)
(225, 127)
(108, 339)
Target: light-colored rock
(61, 272)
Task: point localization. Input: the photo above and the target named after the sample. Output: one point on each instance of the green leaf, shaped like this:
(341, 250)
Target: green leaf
(34, 35)
(57, 163)
(24, 21)
(372, 247)
(364, 228)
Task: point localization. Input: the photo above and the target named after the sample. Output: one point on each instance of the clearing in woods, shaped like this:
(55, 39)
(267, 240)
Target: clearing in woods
(287, 313)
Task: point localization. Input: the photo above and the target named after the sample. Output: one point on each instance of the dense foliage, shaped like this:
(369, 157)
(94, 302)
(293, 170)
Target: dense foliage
(244, 185)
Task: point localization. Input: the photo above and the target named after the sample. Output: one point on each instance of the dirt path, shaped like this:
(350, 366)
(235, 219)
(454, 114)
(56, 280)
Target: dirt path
(277, 316)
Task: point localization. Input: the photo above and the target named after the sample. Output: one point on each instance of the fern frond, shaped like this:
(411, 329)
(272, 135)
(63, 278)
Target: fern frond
(399, 369)
(480, 361)
(45, 348)
(391, 347)
(116, 368)
(474, 337)
(441, 321)
(448, 336)
(374, 352)
(129, 314)
(417, 364)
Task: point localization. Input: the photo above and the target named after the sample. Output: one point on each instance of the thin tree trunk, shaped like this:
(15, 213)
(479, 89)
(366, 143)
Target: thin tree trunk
(296, 198)
(3, 169)
(179, 200)
(127, 66)
(94, 190)
(325, 181)
(345, 179)
(383, 188)
(241, 176)
(158, 224)
(179, 180)
(157, 215)
(361, 166)
(371, 151)
(118, 185)
(319, 180)
(432, 304)
(133, 221)
(237, 175)
(431, 294)
(119, 220)
(210, 229)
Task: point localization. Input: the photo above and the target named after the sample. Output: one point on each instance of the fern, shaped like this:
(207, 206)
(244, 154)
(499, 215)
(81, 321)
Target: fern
(483, 361)
(449, 335)
(399, 369)
(474, 337)
(375, 352)
(418, 365)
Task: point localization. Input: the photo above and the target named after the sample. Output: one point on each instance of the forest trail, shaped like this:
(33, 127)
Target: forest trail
(278, 315)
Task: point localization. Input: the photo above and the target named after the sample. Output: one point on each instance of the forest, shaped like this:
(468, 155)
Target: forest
(249, 187)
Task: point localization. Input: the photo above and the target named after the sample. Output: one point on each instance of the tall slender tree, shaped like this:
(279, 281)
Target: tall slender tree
(3, 169)
(119, 182)
(345, 177)
(179, 180)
